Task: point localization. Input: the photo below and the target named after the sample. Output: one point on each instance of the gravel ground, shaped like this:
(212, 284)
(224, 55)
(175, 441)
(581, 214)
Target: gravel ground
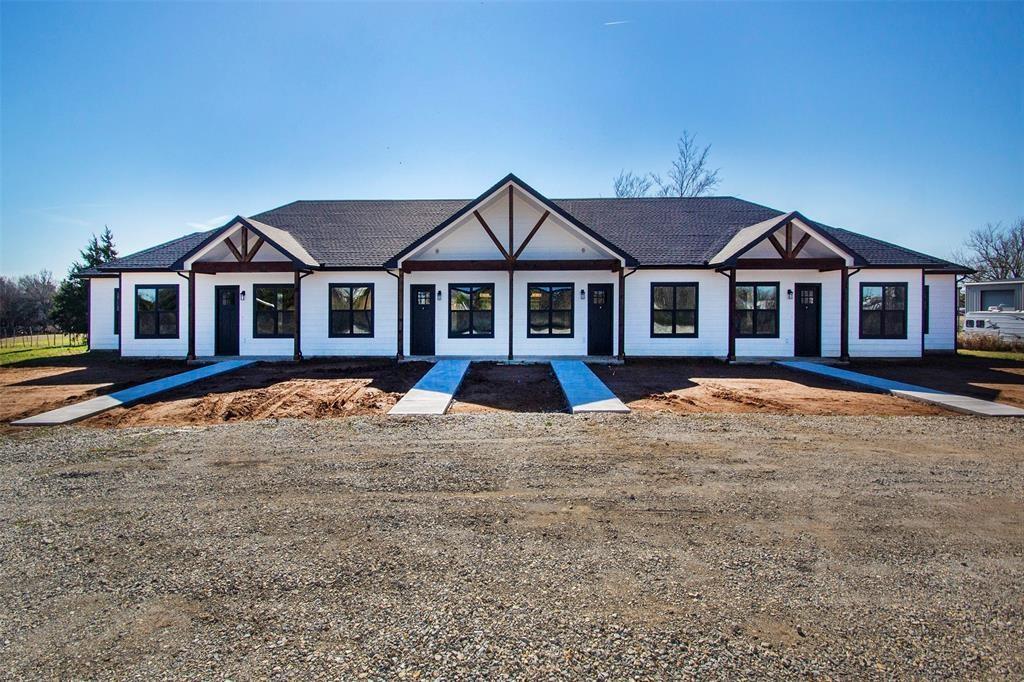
(515, 545)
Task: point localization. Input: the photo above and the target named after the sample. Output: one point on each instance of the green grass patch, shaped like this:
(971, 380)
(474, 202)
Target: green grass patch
(10, 355)
(994, 354)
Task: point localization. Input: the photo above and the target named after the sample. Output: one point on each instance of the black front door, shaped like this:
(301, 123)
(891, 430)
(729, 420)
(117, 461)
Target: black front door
(226, 320)
(807, 332)
(599, 319)
(421, 338)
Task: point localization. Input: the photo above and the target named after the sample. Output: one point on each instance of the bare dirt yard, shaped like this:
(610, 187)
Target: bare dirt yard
(985, 378)
(493, 387)
(516, 545)
(313, 389)
(35, 386)
(700, 387)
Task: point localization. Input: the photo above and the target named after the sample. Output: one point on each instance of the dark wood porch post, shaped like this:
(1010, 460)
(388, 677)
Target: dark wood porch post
(401, 315)
(191, 315)
(844, 316)
(622, 313)
(298, 315)
(732, 315)
(88, 313)
(511, 272)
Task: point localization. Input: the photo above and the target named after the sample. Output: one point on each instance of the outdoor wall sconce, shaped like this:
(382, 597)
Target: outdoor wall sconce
(583, 295)
(789, 294)
(438, 294)
(241, 294)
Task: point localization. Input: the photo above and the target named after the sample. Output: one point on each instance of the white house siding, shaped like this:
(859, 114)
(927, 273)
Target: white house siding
(831, 305)
(577, 344)
(497, 346)
(131, 346)
(908, 347)
(315, 307)
(941, 312)
(205, 312)
(712, 314)
(101, 313)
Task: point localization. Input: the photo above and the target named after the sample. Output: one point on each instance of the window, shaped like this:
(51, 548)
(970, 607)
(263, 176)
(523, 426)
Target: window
(924, 311)
(757, 310)
(156, 311)
(471, 311)
(423, 297)
(979, 324)
(994, 298)
(969, 323)
(550, 310)
(273, 311)
(883, 311)
(351, 310)
(674, 309)
(117, 310)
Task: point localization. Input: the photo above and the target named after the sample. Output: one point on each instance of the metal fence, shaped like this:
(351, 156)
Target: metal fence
(39, 339)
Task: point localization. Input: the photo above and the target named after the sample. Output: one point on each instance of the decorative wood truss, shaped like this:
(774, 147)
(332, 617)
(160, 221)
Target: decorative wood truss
(245, 254)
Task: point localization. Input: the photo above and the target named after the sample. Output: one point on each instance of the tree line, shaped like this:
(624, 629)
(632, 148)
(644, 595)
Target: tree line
(34, 304)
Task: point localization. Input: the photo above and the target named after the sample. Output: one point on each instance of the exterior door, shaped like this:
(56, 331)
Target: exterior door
(599, 319)
(226, 320)
(807, 332)
(421, 336)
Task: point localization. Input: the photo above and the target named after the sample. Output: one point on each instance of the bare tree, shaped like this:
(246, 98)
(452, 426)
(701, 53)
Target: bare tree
(995, 251)
(689, 175)
(629, 185)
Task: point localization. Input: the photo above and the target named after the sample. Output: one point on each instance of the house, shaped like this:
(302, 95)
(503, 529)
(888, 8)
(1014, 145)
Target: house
(995, 308)
(513, 274)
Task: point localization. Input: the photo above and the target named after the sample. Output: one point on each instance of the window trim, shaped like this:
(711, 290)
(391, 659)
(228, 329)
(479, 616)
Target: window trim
(696, 310)
(906, 311)
(274, 285)
(331, 334)
(177, 311)
(778, 308)
(572, 311)
(461, 285)
(117, 311)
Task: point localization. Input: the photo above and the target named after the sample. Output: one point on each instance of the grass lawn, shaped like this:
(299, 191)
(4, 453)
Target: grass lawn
(994, 354)
(14, 354)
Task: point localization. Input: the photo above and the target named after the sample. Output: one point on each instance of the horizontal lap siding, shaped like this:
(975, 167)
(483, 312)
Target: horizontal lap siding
(101, 313)
(577, 345)
(131, 346)
(831, 305)
(882, 348)
(941, 312)
(476, 346)
(316, 339)
(712, 315)
(205, 313)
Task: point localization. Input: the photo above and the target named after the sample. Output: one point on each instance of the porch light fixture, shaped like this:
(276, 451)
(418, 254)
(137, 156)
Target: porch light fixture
(439, 294)
(241, 294)
(789, 294)
(583, 295)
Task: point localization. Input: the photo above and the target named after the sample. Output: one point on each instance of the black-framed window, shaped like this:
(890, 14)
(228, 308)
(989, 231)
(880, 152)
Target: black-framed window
(471, 311)
(351, 310)
(117, 310)
(757, 310)
(156, 311)
(273, 311)
(674, 309)
(550, 310)
(883, 310)
(925, 308)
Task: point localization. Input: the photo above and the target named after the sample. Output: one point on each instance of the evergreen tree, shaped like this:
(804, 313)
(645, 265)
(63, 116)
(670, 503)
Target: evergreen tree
(70, 304)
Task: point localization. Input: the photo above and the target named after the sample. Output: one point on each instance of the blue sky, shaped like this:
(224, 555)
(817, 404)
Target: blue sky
(903, 121)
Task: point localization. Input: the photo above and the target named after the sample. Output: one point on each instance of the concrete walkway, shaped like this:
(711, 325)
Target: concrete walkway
(73, 413)
(433, 393)
(584, 391)
(960, 403)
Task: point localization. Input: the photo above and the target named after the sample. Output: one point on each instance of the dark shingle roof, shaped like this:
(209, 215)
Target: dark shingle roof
(654, 231)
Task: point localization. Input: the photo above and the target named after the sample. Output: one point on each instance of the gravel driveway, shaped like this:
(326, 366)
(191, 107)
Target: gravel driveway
(522, 545)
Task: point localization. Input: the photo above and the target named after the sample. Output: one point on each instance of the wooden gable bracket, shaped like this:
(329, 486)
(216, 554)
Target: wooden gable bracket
(789, 251)
(490, 234)
(245, 254)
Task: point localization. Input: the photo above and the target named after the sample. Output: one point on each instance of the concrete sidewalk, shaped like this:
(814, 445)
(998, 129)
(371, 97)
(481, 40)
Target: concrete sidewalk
(433, 393)
(583, 390)
(951, 401)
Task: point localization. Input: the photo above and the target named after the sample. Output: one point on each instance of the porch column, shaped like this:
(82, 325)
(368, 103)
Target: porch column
(88, 313)
(298, 316)
(622, 313)
(732, 315)
(191, 315)
(401, 315)
(844, 316)
(511, 329)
